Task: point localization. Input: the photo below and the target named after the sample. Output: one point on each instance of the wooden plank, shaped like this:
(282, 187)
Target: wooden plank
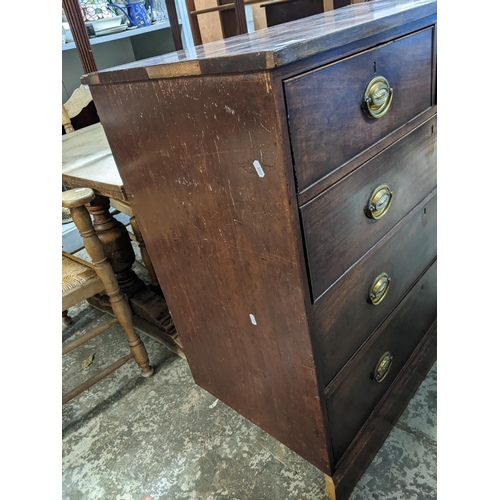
(87, 161)
(122, 206)
(259, 16)
(210, 23)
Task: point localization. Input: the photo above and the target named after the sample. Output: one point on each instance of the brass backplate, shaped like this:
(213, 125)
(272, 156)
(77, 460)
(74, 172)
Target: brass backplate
(378, 97)
(379, 202)
(379, 288)
(382, 367)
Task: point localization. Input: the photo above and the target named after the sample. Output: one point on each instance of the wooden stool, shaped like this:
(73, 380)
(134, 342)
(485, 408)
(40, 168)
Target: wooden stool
(75, 200)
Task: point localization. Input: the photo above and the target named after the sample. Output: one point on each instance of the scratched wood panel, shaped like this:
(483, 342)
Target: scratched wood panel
(211, 194)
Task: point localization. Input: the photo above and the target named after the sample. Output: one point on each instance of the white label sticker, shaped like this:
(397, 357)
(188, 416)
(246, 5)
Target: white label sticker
(258, 167)
(252, 319)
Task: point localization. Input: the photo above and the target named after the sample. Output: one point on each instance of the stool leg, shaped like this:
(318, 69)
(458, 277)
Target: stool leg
(119, 304)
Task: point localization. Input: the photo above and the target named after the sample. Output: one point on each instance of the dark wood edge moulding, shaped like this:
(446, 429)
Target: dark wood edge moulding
(269, 55)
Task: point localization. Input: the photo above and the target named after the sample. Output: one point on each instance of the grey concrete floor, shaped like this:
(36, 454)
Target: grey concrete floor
(128, 438)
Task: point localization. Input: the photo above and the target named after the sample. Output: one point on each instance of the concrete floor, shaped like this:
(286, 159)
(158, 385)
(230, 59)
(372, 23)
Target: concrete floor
(128, 438)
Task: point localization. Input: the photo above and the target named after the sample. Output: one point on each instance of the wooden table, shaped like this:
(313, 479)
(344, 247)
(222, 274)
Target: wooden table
(87, 161)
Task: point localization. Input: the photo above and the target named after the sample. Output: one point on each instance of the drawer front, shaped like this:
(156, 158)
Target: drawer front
(356, 392)
(339, 228)
(328, 120)
(346, 315)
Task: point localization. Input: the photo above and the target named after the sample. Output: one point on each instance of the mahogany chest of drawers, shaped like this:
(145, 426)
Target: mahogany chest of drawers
(285, 182)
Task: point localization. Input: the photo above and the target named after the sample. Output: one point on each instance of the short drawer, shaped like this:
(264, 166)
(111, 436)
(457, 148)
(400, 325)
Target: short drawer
(355, 392)
(328, 118)
(339, 227)
(352, 309)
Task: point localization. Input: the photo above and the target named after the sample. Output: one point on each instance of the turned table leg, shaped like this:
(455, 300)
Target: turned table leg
(115, 240)
(149, 309)
(74, 200)
(144, 252)
(330, 488)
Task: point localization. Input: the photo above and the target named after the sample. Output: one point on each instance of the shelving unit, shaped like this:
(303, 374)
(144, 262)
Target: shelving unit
(124, 34)
(124, 47)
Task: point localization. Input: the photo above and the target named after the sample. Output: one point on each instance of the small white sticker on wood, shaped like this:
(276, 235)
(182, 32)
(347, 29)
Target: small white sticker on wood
(258, 167)
(252, 319)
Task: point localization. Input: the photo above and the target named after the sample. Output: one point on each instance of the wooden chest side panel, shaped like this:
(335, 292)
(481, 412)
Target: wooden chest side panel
(202, 161)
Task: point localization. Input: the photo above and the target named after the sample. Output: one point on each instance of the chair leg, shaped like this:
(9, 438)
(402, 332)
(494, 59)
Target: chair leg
(66, 320)
(123, 313)
(103, 269)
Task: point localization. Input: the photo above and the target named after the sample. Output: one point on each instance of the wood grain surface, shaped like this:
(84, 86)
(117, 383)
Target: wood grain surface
(354, 392)
(210, 24)
(380, 423)
(265, 280)
(337, 230)
(211, 194)
(404, 255)
(328, 124)
(276, 46)
(87, 161)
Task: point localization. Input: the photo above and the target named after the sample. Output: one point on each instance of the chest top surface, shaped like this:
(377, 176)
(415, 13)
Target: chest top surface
(273, 47)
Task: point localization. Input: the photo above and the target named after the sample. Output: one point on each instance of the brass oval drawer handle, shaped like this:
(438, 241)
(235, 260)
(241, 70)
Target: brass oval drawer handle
(379, 202)
(379, 288)
(378, 97)
(383, 366)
